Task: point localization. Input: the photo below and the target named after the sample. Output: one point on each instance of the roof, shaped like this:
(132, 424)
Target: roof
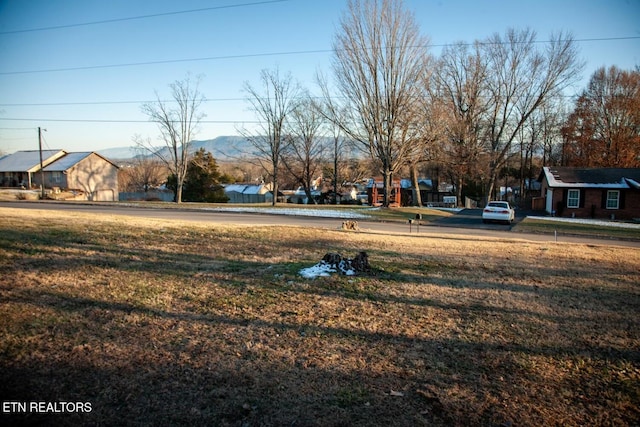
(244, 188)
(27, 161)
(70, 160)
(67, 162)
(566, 177)
(424, 183)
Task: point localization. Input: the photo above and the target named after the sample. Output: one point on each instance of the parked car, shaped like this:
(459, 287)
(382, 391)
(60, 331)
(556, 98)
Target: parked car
(498, 211)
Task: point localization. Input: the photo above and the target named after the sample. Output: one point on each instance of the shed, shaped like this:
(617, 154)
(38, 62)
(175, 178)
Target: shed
(246, 193)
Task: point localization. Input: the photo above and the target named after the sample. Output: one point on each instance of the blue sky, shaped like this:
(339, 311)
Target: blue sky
(66, 79)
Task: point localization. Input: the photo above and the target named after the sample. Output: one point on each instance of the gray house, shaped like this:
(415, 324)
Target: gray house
(19, 169)
(87, 172)
(88, 175)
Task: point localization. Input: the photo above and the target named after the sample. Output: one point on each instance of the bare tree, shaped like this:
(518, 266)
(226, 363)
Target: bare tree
(142, 174)
(553, 116)
(340, 144)
(459, 86)
(271, 106)
(539, 138)
(379, 55)
(178, 126)
(304, 154)
(604, 128)
(520, 78)
(339, 148)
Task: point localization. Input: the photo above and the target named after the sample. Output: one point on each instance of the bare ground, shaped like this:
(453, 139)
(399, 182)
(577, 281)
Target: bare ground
(168, 323)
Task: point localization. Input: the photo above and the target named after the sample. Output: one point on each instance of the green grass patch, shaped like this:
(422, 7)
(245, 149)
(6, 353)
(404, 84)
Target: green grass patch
(532, 225)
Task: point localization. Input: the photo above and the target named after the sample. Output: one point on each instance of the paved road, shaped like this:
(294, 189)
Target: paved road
(472, 218)
(468, 222)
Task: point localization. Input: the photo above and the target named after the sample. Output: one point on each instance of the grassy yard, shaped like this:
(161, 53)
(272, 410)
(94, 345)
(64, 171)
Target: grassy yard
(167, 323)
(532, 225)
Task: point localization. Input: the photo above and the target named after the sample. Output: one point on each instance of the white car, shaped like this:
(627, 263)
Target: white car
(498, 211)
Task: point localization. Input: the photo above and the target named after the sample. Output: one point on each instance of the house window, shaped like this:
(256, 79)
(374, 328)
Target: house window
(56, 177)
(613, 199)
(573, 199)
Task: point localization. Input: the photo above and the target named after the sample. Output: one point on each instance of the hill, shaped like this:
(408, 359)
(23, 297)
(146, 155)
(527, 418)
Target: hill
(223, 148)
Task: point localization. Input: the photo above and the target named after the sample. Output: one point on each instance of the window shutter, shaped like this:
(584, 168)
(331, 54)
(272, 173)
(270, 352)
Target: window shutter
(603, 205)
(583, 192)
(621, 201)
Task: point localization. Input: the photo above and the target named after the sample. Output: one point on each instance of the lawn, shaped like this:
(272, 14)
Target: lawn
(601, 229)
(179, 323)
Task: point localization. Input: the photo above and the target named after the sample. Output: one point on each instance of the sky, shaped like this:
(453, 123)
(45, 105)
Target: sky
(82, 68)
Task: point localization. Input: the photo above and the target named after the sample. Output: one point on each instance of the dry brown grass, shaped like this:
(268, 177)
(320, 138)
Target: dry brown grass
(167, 323)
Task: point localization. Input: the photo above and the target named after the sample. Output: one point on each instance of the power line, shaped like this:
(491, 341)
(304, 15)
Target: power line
(258, 55)
(31, 128)
(62, 104)
(119, 121)
(167, 61)
(44, 140)
(132, 18)
(153, 101)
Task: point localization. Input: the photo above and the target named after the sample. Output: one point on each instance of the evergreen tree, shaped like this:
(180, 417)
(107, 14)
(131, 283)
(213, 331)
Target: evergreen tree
(202, 182)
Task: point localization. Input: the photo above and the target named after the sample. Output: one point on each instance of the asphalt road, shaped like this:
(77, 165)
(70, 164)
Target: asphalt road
(467, 223)
(472, 218)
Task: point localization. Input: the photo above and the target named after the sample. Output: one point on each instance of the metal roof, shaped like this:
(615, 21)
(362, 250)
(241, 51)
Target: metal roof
(27, 161)
(66, 162)
(245, 188)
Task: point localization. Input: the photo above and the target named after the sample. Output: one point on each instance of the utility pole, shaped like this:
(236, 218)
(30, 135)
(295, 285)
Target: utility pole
(41, 167)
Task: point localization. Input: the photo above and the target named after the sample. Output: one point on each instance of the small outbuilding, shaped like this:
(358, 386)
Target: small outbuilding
(247, 193)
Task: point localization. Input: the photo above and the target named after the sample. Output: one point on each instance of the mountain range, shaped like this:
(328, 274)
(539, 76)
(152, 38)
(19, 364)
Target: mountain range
(223, 148)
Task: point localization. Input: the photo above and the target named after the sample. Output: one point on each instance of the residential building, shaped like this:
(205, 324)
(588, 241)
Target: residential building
(605, 193)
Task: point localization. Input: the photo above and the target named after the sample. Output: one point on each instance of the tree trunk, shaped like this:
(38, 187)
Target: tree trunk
(275, 190)
(491, 185)
(335, 171)
(459, 189)
(310, 199)
(417, 197)
(386, 175)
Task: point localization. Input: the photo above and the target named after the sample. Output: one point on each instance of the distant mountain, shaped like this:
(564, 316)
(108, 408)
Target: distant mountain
(223, 148)
(120, 153)
(226, 147)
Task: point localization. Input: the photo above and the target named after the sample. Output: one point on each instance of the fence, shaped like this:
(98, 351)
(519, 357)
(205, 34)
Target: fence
(164, 196)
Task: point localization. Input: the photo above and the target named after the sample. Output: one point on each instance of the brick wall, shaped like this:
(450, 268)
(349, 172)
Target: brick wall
(591, 205)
